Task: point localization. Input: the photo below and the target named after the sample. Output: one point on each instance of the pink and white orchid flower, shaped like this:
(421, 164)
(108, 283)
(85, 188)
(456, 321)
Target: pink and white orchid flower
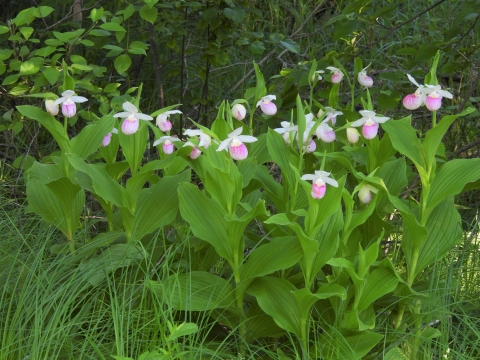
(286, 131)
(325, 132)
(163, 121)
(108, 137)
(337, 74)
(238, 111)
(319, 181)
(331, 114)
(235, 144)
(417, 99)
(267, 106)
(68, 100)
(370, 123)
(132, 116)
(167, 143)
(364, 79)
(205, 139)
(433, 102)
(195, 153)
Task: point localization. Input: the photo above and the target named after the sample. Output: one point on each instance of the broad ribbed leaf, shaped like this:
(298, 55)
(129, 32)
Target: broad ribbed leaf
(258, 324)
(247, 169)
(206, 218)
(259, 150)
(135, 185)
(435, 135)
(444, 232)
(45, 173)
(305, 299)
(103, 184)
(347, 345)
(275, 297)
(379, 282)
(157, 205)
(279, 153)
(195, 291)
(395, 354)
(91, 136)
(49, 123)
(451, 179)
(279, 254)
(260, 89)
(133, 146)
(394, 175)
(404, 140)
(272, 188)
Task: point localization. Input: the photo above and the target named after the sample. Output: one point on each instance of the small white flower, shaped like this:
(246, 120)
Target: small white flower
(132, 116)
(235, 144)
(319, 181)
(205, 139)
(163, 121)
(68, 100)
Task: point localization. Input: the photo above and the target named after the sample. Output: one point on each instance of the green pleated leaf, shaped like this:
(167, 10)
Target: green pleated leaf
(183, 329)
(404, 140)
(259, 150)
(435, 135)
(346, 345)
(135, 185)
(379, 282)
(206, 218)
(272, 188)
(195, 291)
(279, 254)
(157, 205)
(279, 153)
(450, 179)
(225, 187)
(394, 175)
(103, 185)
(49, 122)
(247, 169)
(275, 297)
(444, 232)
(258, 324)
(395, 354)
(91, 136)
(45, 173)
(133, 146)
(59, 202)
(260, 89)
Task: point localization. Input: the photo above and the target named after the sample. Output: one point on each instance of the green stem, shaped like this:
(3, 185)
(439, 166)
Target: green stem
(239, 295)
(434, 119)
(304, 338)
(418, 330)
(65, 122)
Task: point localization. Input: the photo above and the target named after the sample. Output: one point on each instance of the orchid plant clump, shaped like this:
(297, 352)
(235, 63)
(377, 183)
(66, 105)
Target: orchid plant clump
(316, 248)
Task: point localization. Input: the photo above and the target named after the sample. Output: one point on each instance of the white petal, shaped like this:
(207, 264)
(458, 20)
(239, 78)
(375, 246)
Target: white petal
(367, 113)
(446, 94)
(141, 116)
(259, 102)
(122, 114)
(189, 143)
(321, 173)
(115, 131)
(380, 119)
(330, 181)
(319, 72)
(157, 142)
(412, 80)
(247, 138)
(236, 132)
(358, 123)
(60, 100)
(192, 132)
(128, 106)
(325, 126)
(269, 97)
(285, 124)
(332, 68)
(78, 99)
(309, 177)
(224, 144)
(171, 112)
(280, 130)
(308, 117)
(68, 93)
(365, 68)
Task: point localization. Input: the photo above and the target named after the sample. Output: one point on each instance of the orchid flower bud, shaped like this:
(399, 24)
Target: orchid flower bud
(51, 107)
(239, 111)
(365, 193)
(353, 135)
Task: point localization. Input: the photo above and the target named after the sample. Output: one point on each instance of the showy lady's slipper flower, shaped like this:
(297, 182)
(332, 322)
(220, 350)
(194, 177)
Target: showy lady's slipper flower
(205, 139)
(51, 107)
(365, 193)
(331, 114)
(364, 79)
(433, 102)
(132, 116)
(196, 152)
(319, 181)
(310, 148)
(337, 74)
(107, 138)
(417, 99)
(68, 100)
(163, 121)
(239, 111)
(353, 135)
(370, 123)
(167, 143)
(235, 144)
(265, 103)
(325, 132)
(286, 130)
(317, 76)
